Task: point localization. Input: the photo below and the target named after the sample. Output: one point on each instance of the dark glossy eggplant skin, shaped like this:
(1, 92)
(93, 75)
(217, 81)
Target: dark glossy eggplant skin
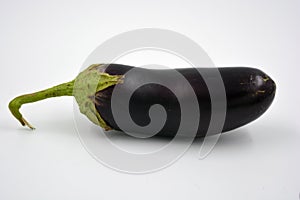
(249, 93)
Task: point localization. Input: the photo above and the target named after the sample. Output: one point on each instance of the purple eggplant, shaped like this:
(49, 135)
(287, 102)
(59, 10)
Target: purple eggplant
(249, 93)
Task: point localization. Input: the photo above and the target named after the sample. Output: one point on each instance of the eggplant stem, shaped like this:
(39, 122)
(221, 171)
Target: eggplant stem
(65, 89)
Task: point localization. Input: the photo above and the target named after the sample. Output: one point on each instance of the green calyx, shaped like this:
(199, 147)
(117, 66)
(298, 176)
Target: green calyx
(83, 88)
(87, 84)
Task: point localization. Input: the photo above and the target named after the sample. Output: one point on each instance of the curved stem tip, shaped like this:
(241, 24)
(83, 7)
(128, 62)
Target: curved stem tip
(65, 89)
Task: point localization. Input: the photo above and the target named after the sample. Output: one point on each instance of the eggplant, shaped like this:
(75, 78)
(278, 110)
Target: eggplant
(249, 93)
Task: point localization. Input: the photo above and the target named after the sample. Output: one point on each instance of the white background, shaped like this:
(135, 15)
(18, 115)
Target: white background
(44, 43)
